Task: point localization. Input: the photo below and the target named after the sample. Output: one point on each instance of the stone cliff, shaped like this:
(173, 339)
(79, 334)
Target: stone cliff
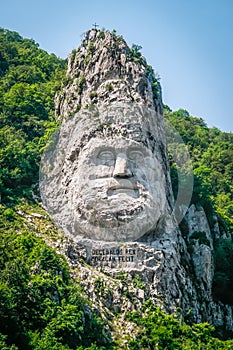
(104, 69)
(112, 97)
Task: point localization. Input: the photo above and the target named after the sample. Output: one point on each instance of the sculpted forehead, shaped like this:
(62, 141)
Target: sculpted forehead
(96, 145)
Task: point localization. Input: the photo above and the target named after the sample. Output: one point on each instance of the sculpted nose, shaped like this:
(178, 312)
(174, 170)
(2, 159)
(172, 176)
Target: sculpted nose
(121, 167)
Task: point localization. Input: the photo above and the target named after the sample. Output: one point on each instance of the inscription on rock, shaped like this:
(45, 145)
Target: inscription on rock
(114, 257)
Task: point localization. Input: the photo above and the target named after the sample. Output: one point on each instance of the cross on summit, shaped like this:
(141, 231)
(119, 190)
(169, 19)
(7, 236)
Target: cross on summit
(95, 25)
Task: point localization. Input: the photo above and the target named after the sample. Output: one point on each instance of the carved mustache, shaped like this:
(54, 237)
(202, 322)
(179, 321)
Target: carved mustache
(119, 183)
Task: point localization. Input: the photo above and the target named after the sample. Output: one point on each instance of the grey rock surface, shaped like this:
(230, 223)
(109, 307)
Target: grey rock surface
(106, 178)
(105, 181)
(104, 69)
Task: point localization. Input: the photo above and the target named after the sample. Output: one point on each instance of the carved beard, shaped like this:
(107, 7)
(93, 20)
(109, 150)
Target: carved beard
(110, 206)
(120, 216)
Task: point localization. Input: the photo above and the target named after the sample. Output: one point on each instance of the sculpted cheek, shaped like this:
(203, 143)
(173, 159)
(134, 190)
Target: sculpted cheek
(100, 171)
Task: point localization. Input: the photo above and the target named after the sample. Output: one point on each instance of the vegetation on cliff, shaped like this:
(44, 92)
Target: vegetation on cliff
(29, 77)
(211, 152)
(41, 306)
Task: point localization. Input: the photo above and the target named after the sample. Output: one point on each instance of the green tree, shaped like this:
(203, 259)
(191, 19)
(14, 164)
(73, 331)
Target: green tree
(29, 78)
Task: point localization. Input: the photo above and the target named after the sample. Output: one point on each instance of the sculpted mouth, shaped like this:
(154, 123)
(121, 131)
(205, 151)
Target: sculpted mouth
(127, 188)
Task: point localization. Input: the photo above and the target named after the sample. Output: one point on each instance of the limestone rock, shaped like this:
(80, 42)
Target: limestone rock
(104, 69)
(105, 181)
(110, 181)
(198, 222)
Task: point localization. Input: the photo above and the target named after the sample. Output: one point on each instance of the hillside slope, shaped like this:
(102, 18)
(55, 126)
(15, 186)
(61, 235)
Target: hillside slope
(49, 298)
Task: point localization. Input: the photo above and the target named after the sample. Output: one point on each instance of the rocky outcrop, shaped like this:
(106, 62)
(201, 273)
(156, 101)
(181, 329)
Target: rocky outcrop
(200, 240)
(105, 181)
(104, 69)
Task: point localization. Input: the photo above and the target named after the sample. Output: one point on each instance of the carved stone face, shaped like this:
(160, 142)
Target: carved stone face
(102, 178)
(117, 190)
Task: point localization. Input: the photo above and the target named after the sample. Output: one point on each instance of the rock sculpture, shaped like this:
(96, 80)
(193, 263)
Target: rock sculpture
(109, 182)
(105, 180)
(109, 175)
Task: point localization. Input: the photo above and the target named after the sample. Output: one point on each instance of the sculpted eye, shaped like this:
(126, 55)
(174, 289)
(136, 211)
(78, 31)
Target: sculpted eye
(106, 155)
(136, 155)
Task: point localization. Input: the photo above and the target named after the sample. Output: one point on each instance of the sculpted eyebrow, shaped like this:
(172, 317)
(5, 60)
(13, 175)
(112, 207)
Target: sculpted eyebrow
(147, 138)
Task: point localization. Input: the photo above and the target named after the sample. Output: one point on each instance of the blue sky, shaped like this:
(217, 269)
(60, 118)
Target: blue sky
(189, 43)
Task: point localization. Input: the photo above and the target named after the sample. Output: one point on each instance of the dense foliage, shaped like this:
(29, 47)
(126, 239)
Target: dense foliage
(211, 154)
(29, 78)
(41, 307)
(157, 330)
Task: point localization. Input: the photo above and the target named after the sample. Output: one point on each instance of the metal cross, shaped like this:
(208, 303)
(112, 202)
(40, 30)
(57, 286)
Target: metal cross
(95, 25)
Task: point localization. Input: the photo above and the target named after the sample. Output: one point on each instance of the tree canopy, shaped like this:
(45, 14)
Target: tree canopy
(29, 78)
